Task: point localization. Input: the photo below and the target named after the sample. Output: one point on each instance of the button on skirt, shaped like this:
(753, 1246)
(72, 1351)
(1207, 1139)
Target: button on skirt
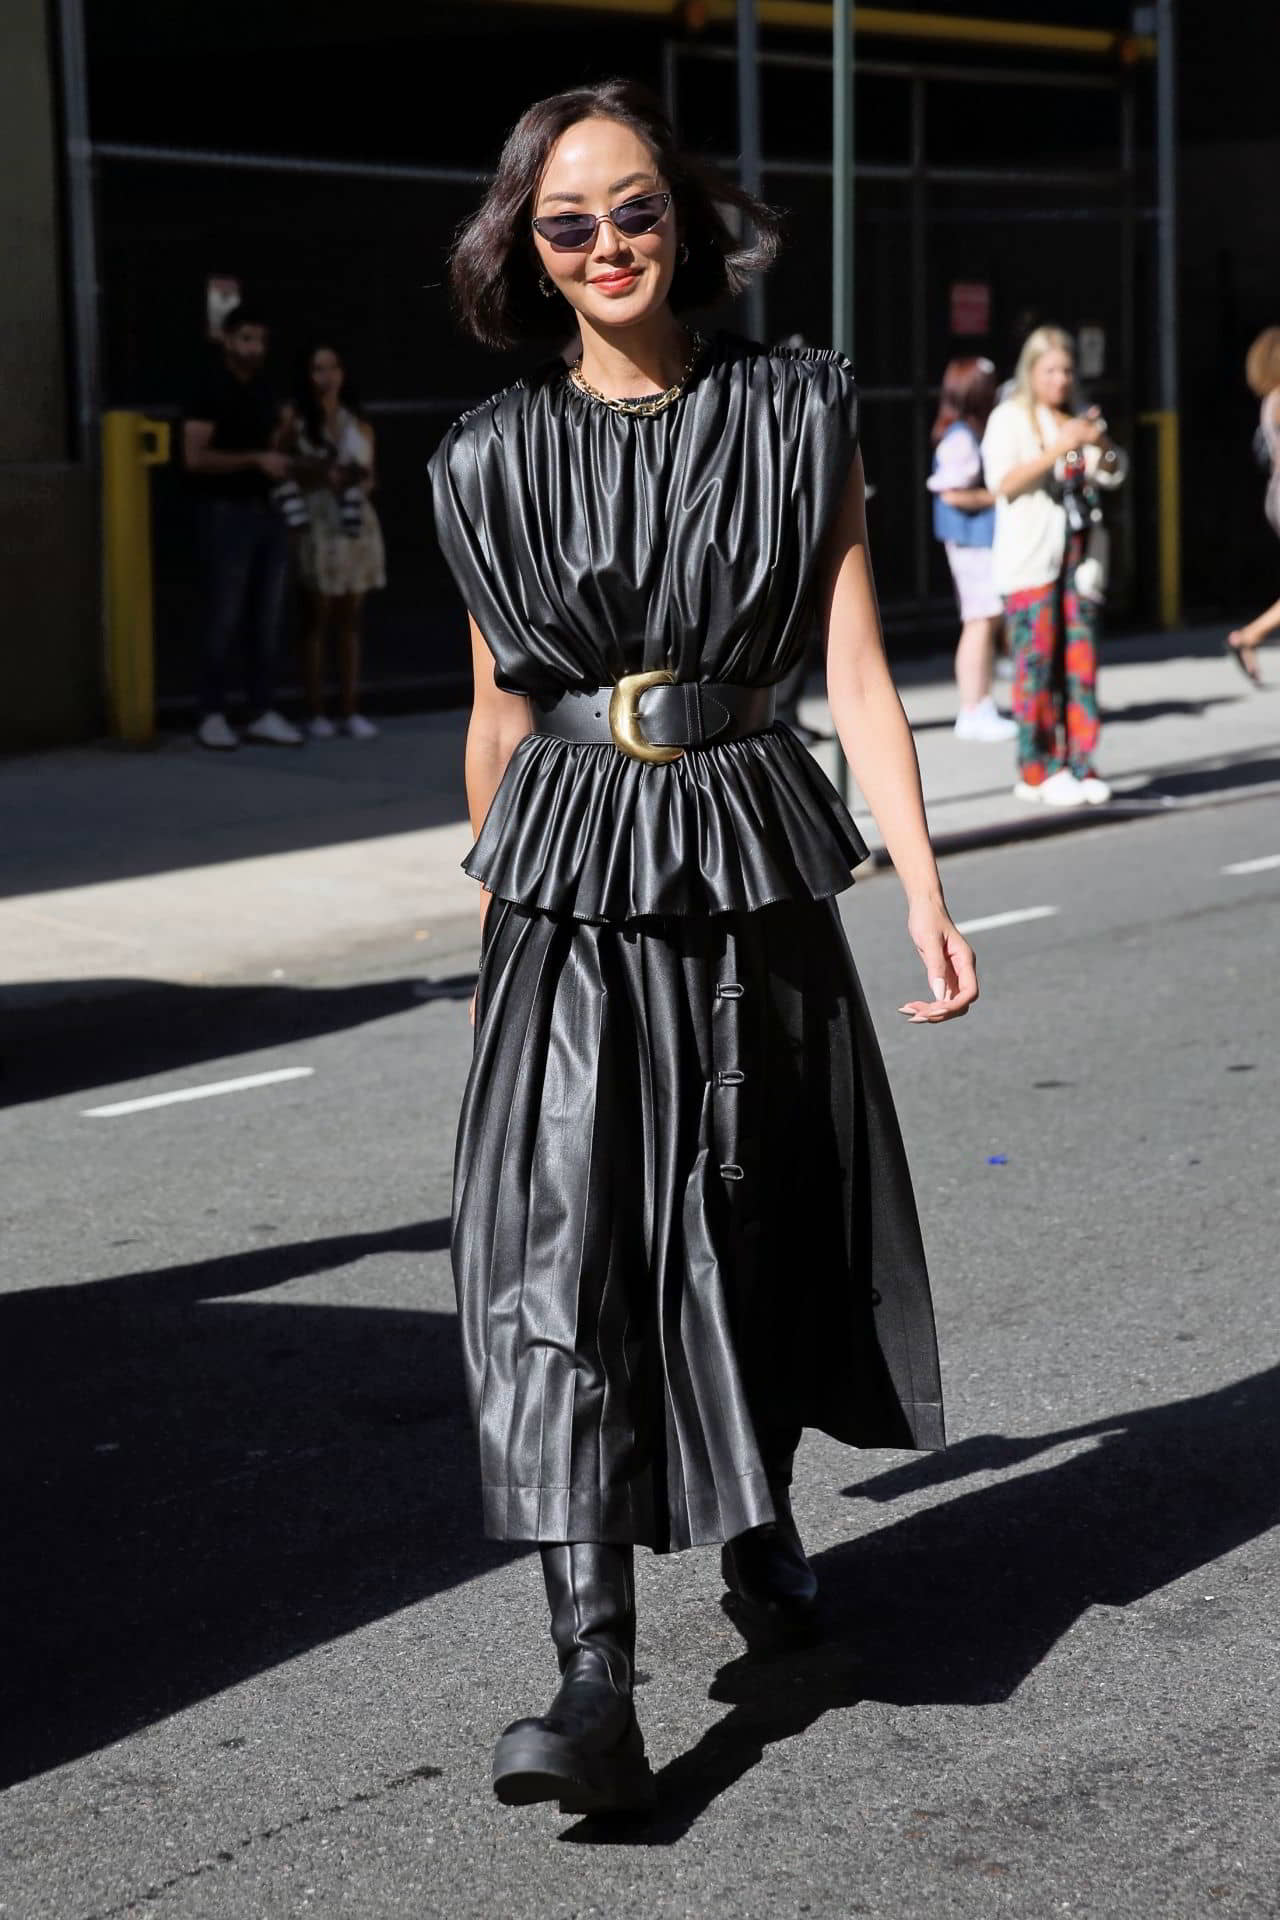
(683, 1222)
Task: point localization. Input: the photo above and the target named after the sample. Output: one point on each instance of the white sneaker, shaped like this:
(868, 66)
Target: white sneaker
(319, 728)
(215, 733)
(271, 729)
(985, 723)
(1096, 792)
(1062, 789)
(356, 727)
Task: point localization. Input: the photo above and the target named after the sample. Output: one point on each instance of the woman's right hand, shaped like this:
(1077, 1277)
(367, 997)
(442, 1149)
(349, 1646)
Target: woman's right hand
(1085, 430)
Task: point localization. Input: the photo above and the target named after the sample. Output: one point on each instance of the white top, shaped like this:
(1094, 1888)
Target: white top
(957, 461)
(1031, 529)
(1270, 430)
(350, 442)
(1269, 424)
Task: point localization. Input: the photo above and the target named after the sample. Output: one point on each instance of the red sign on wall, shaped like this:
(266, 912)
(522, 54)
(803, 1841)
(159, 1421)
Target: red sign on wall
(970, 306)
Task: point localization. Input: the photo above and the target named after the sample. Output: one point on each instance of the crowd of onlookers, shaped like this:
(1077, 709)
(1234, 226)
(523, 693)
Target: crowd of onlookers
(283, 500)
(1017, 484)
(1019, 481)
(1020, 475)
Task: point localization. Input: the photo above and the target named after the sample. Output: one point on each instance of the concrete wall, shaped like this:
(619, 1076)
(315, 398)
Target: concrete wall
(49, 593)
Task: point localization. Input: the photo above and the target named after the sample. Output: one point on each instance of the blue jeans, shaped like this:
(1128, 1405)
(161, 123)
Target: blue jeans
(244, 555)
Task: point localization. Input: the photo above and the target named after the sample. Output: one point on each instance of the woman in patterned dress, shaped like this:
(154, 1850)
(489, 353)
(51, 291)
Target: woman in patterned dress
(339, 550)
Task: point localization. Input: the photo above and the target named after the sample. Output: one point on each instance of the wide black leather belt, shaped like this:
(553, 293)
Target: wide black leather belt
(653, 717)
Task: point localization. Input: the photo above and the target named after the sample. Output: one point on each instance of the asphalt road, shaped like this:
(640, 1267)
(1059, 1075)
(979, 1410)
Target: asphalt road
(261, 1653)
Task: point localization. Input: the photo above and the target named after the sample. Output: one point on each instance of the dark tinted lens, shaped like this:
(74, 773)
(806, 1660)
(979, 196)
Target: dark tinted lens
(567, 231)
(637, 216)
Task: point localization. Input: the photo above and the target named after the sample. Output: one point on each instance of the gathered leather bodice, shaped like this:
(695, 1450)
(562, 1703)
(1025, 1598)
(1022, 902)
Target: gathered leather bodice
(588, 544)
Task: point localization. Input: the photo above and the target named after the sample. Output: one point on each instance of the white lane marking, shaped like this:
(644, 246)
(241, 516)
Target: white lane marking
(197, 1093)
(990, 920)
(1267, 861)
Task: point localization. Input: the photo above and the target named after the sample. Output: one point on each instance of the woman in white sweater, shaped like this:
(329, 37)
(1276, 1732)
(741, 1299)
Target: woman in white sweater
(1049, 571)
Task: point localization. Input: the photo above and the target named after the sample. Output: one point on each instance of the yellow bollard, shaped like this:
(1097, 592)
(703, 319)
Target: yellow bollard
(130, 444)
(1169, 516)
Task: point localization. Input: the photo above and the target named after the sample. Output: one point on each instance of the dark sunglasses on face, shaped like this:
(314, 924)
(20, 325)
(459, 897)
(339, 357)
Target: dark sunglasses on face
(572, 232)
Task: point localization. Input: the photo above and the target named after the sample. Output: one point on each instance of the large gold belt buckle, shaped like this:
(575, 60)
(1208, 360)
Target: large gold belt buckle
(624, 721)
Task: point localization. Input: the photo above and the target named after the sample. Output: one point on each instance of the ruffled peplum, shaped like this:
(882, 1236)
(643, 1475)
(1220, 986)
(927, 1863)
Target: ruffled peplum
(585, 831)
(589, 544)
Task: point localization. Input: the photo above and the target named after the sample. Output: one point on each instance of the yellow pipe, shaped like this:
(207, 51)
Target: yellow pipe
(886, 21)
(130, 444)
(1169, 515)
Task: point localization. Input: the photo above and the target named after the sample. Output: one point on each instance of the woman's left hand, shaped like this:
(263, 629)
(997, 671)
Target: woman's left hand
(948, 963)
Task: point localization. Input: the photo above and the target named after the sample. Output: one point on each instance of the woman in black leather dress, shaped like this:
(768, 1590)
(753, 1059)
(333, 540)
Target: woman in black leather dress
(683, 1222)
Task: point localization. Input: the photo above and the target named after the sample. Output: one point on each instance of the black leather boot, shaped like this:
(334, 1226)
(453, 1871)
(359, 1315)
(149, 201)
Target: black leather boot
(586, 1750)
(772, 1595)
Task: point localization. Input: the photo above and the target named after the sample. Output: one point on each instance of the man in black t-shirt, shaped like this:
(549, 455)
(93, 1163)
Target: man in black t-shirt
(230, 432)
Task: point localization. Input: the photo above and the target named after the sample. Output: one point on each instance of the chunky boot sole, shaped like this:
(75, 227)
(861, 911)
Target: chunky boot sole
(532, 1764)
(769, 1629)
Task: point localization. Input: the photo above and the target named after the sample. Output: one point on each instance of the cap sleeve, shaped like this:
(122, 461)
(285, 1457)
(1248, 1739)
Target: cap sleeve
(831, 393)
(468, 504)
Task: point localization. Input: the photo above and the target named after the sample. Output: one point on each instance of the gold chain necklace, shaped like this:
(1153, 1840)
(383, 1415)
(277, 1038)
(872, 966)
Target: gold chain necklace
(649, 403)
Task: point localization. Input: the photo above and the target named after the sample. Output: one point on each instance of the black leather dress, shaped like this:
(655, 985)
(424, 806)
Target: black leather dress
(683, 1219)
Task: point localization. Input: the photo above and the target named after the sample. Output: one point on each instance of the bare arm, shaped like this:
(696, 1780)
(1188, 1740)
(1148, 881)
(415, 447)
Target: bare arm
(199, 457)
(877, 741)
(369, 478)
(306, 471)
(1084, 430)
(499, 722)
(971, 499)
(1026, 475)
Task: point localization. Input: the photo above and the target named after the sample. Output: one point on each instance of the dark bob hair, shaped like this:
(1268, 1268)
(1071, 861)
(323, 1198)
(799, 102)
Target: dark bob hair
(493, 266)
(968, 394)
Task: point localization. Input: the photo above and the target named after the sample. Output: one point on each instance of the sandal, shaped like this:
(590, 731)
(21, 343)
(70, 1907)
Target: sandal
(1245, 655)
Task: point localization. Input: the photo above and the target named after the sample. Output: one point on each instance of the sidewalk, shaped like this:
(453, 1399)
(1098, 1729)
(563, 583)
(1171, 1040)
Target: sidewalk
(177, 865)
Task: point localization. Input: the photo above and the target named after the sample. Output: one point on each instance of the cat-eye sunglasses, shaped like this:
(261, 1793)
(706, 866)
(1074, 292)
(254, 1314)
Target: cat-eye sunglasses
(574, 232)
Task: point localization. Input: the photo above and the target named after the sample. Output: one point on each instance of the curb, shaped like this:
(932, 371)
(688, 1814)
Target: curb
(28, 1005)
(1043, 826)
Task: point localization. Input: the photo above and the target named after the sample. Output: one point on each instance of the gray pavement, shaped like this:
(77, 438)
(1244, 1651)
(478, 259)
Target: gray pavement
(264, 1654)
(175, 865)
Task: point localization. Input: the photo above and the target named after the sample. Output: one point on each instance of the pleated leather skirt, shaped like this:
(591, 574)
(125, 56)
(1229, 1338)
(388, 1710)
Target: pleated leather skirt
(683, 1222)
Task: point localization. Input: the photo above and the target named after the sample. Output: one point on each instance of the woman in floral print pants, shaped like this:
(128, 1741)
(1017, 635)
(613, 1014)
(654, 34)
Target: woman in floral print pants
(1040, 567)
(1055, 698)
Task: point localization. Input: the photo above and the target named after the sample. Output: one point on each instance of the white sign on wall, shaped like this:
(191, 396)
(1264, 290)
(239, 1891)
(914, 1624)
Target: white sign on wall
(222, 293)
(1091, 352)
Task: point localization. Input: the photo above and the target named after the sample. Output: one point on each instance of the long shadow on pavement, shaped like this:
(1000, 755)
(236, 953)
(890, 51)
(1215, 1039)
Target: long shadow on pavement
(1137, 712)
(959, 1602)
(201, 1485)
(60, 1045)
(1208, 777)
